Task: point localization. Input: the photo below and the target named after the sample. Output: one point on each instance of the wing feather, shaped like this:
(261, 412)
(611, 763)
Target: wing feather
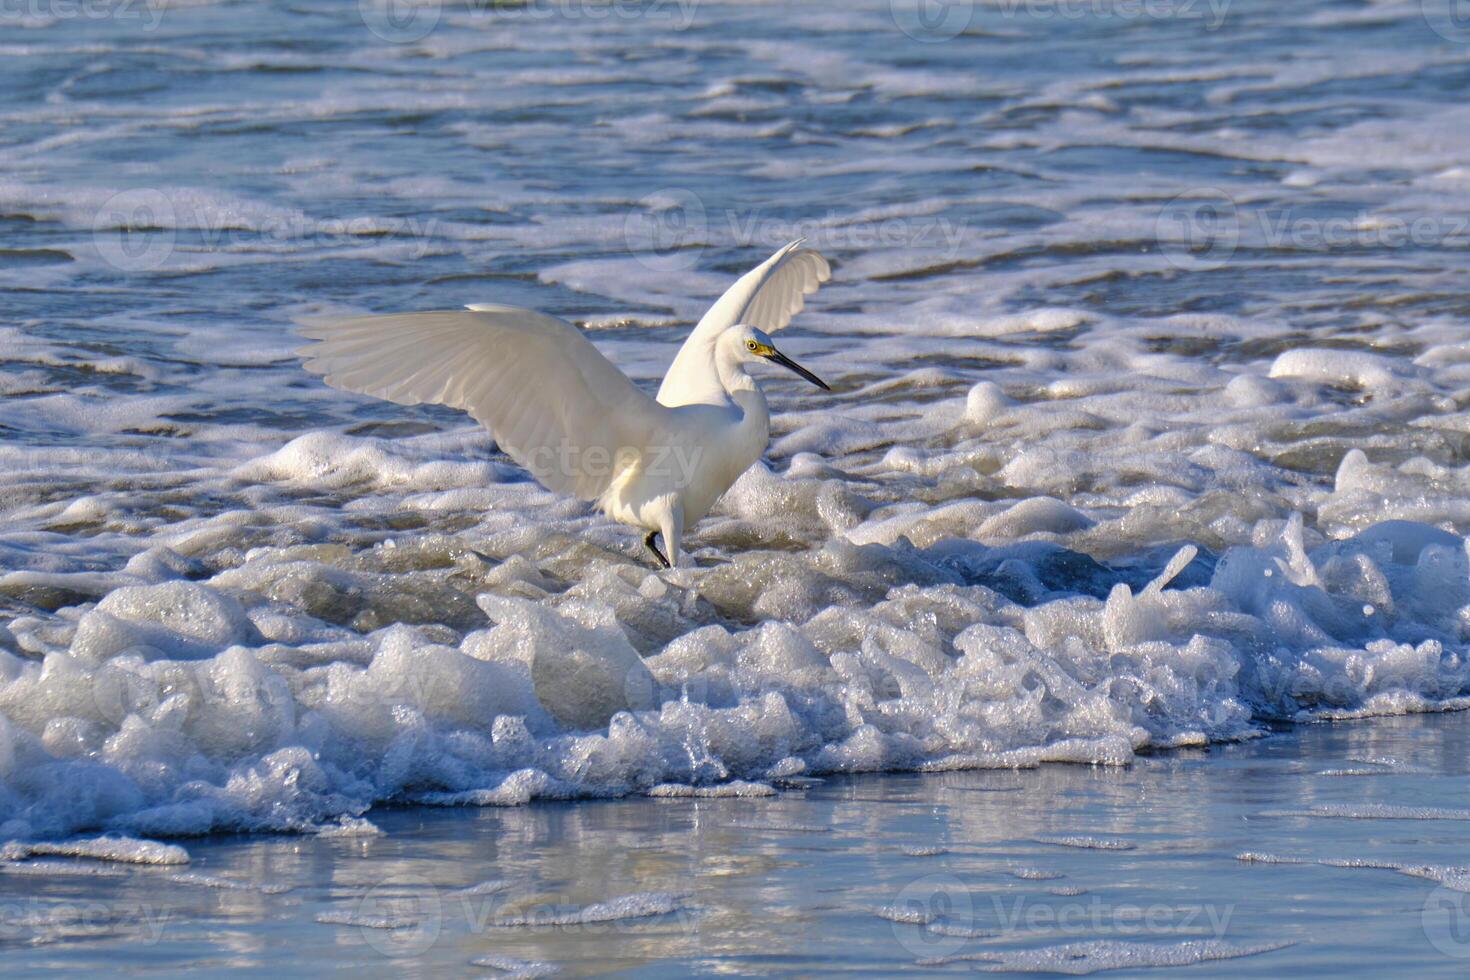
(541, 387)
(767, 296)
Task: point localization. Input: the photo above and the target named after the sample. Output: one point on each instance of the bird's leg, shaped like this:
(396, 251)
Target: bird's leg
(654, 548)
(672, 529)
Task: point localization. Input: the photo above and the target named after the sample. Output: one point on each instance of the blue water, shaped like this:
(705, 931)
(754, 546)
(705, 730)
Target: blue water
(1147, 338)
(810, 883)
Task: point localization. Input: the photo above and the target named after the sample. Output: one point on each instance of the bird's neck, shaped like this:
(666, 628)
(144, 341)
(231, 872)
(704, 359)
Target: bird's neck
(754, 430)
(733, 376)
(742, 389)
(702, 374)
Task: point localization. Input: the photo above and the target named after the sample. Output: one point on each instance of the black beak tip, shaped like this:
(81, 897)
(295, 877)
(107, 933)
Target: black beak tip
(788, 363)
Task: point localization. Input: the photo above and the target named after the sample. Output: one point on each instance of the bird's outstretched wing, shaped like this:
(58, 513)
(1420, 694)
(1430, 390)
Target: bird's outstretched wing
(554, 403)
(767, 296)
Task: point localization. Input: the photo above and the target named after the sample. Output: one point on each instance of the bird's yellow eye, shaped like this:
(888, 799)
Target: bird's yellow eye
(751, 345)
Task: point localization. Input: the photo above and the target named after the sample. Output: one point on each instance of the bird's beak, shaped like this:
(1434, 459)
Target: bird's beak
(787, 362)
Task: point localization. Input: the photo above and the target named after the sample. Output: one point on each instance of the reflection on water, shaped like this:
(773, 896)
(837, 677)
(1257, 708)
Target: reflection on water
(894, 873)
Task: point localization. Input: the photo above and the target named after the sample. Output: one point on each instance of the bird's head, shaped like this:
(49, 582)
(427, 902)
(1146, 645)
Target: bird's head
(751, 344)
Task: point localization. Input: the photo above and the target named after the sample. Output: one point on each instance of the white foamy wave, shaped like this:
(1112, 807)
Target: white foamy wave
(180, 707)
(123, 850)
(1375, 811)
(219, 883)
(1087, 843)
(642, 905)
(361, 920)
(511, 968)
(1084, 487)
(1453, 877)
(1081, 958)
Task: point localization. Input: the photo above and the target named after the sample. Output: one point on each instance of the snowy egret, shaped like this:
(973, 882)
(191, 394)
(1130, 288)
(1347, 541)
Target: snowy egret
(562, 410)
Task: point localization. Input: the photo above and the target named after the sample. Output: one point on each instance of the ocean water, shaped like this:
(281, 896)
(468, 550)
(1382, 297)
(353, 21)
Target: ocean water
(1146, 330)
(1224, 860)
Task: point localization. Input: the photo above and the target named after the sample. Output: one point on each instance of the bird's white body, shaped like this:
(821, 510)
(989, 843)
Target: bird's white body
(677, 482)
(563, 411)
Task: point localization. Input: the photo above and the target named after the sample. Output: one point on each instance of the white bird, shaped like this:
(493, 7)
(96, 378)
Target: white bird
(562, 410)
